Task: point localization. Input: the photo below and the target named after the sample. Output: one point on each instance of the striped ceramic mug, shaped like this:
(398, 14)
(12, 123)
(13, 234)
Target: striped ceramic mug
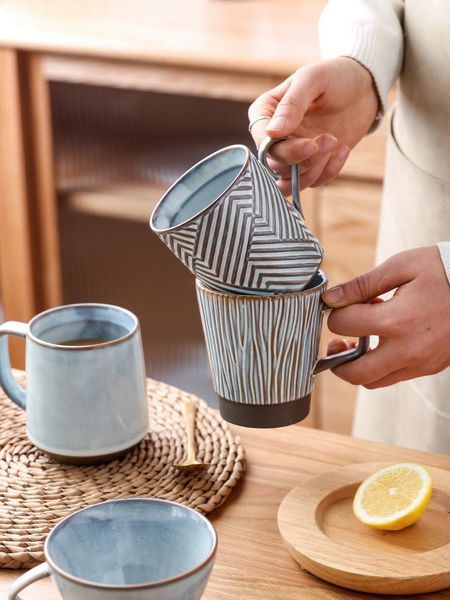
(263, 352)
(228, 222)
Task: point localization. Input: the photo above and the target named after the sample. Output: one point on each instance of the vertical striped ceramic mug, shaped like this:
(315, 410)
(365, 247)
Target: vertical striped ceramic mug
(228, 222)
(263, 352)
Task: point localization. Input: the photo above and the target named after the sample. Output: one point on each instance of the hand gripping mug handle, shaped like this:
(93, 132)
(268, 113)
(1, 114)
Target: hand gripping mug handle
(26, 579)
(334, 360)
(7, 380)
(262, 157)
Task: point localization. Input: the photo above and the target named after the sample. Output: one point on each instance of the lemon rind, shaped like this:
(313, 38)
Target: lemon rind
(424, 494)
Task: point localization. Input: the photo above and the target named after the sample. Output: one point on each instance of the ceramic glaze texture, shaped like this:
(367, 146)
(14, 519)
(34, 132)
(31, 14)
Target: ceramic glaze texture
(190, 588)
(85, 401)
(132, 549)
(227, 221)
(262, 350)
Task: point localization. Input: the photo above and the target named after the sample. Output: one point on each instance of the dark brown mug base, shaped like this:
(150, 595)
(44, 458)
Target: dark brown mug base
(260, 416)
(89, 460)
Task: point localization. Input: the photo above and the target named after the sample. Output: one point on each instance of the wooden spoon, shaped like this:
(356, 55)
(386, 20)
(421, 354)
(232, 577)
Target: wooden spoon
(191, 463)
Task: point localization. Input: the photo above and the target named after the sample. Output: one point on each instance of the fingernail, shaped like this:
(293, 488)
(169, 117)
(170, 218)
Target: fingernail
(334, 295)
(309, 148)
(328, 143)
(277, 124)
(343, 152)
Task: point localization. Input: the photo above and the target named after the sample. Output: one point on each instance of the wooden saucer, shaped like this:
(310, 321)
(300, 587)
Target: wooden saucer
(317, 524)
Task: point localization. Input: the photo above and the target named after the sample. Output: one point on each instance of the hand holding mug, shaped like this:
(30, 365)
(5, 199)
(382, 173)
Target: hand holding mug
(324, 108)
(413, 325)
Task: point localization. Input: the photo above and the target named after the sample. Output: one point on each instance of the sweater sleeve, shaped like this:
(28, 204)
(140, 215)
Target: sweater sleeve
(444, 249)
(370, 31)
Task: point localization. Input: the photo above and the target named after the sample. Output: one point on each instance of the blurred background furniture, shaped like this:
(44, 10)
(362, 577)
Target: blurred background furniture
(103, 105)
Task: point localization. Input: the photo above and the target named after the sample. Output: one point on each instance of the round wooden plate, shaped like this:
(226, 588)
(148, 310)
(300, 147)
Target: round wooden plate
(317, 524)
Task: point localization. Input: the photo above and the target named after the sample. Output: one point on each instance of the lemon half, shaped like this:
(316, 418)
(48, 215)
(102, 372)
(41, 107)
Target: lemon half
(394, 497)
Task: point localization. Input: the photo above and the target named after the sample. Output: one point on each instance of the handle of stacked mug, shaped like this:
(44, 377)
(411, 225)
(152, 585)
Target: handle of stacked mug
(295, 174)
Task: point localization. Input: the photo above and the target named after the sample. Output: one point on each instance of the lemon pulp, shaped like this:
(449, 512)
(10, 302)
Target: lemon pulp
(394, 497)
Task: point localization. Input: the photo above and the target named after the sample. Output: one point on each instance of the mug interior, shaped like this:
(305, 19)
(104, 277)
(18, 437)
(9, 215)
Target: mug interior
(82, 322)
(130, 543)
(199, 188)
(316, 281)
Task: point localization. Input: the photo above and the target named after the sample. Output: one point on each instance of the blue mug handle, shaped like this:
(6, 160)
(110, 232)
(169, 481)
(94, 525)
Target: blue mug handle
(26, 579)
(295, 175)
(7, 381)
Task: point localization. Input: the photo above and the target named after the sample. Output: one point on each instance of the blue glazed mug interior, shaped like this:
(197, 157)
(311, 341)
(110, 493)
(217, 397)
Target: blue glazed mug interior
(199, 188)
(103, 322)
(131, 543)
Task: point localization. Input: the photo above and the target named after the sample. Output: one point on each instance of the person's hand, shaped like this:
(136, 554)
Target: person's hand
(326, 108)
(413, 326)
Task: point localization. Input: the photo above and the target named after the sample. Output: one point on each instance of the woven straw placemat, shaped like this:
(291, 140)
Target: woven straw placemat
(37, 492)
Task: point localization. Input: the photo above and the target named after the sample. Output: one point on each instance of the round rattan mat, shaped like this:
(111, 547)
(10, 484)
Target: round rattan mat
(36, 492)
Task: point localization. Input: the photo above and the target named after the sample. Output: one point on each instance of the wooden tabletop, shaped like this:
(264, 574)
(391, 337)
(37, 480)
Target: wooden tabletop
(252, 563)
(260, 36)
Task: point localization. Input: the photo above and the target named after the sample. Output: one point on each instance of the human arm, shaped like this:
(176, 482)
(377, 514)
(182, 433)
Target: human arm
(370, 33)
(327, 107)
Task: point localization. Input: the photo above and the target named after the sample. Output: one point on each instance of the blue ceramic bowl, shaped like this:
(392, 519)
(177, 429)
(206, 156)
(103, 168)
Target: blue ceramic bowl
(132, 549)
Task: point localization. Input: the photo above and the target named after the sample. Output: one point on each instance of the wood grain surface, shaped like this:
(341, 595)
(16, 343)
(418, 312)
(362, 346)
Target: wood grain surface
(269, 36)
(252, 561)
(317, 524)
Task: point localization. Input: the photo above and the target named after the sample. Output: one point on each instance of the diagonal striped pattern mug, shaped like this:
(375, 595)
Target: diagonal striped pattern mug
(228, 222)
(263, 352)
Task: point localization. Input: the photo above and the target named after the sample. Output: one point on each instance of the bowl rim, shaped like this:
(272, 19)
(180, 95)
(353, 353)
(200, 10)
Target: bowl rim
(132, 586)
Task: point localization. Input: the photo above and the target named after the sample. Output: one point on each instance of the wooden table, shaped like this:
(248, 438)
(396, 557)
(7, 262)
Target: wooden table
(252, 563)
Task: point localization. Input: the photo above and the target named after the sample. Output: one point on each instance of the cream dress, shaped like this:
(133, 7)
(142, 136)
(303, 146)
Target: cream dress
(409, 39)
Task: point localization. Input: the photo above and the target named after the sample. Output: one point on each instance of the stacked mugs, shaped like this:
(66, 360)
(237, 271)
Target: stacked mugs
(259, 284)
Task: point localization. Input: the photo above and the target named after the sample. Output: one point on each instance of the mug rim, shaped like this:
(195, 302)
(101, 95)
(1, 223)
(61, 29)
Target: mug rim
(131, 586)
(118, 340)
(210, 204)
(271, 297)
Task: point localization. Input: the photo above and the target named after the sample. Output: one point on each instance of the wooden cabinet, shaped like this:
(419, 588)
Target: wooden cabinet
(348, 216)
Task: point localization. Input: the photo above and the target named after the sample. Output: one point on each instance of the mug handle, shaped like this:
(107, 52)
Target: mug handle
(262, 157)
(26, 579)
(334, 360)
(7, 380)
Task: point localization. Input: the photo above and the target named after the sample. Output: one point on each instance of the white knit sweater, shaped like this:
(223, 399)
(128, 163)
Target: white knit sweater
(369, 31)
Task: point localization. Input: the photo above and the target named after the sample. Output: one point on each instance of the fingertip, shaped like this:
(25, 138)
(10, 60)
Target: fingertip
(277, 126)
(334, 297)
(308, 149)
(327, 142)
(335, 346)
(285, 186)
(343, 152)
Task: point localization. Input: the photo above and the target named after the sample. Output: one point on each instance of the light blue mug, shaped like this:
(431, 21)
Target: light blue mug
(130, 549)
(86, 394)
